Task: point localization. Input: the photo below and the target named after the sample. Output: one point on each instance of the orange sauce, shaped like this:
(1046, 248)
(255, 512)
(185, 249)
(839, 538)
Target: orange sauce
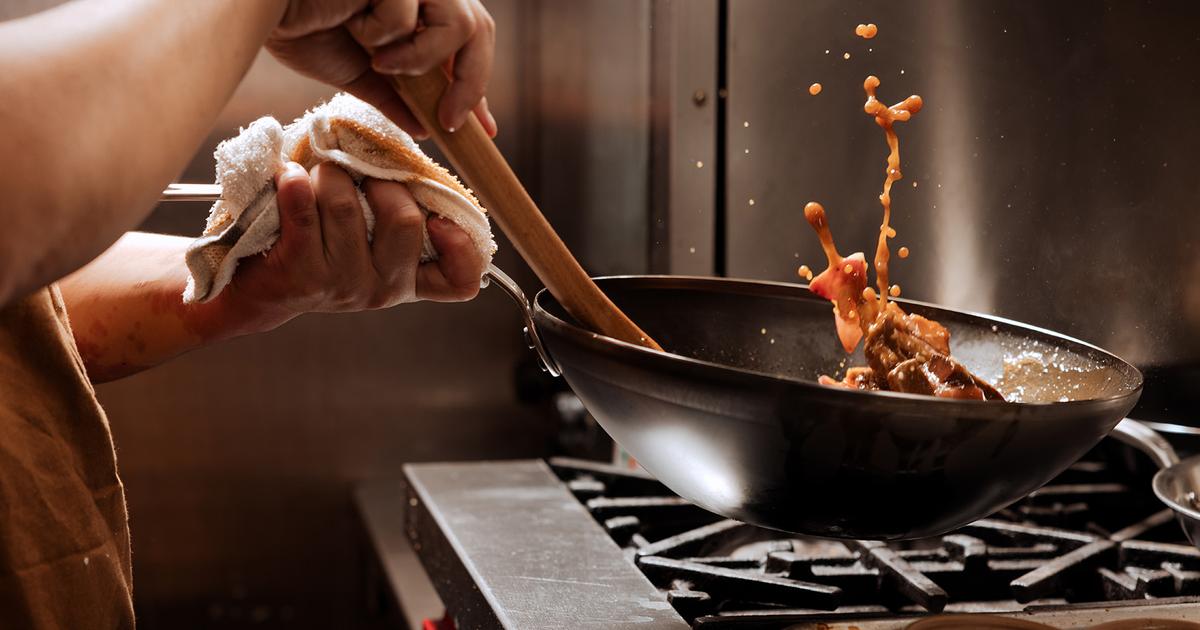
(866, 31)
(844, 281)
(886, 117)
(814, 89)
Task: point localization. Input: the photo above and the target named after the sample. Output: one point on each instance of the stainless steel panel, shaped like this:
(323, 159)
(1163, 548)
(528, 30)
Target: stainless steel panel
(588, 80)
(1052, 160)
(683, 170)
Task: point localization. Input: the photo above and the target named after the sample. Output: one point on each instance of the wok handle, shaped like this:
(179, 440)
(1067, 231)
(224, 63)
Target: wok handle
(1146, 440)
(477, 160)
(510, 286)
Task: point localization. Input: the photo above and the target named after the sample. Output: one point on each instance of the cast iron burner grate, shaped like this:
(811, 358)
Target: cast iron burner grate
(1091, 535)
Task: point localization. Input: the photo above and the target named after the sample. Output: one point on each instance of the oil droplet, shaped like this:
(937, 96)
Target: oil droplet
(866, 31)
(691, 250)
(805, 272)
(845, 55)
(814, 89)
(763, 331)
(848, 269)
(903, 252)
(747, 151)
(750, 202)
(699, 164)
(772, 340)
(914, 184)
(746, 124)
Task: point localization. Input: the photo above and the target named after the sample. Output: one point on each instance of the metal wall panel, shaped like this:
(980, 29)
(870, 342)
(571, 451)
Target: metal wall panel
(684, 169)
(1052, 160)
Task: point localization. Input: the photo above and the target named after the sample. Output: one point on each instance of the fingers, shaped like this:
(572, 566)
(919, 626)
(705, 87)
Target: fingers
(377, 90)
(472, 70)
(454, 276)
(331, 56)
(399, 237)
(447, 26)
(299, 222)
(343, 227)
(384, 22)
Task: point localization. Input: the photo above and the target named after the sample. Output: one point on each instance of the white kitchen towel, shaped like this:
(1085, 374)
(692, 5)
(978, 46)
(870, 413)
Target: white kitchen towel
(347, 131)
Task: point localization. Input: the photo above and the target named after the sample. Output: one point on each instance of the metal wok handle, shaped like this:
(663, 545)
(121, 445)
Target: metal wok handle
(514, 291)
(1146, 440)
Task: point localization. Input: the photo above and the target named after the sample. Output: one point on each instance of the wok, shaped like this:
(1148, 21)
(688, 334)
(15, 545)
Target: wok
(732, 418)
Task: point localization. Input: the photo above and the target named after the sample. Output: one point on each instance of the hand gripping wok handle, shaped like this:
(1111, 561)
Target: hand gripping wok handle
(477, 160)
(531, 336)
(1146, 440)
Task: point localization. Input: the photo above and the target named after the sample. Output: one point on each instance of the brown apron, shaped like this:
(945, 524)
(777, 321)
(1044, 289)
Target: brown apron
(64, 534)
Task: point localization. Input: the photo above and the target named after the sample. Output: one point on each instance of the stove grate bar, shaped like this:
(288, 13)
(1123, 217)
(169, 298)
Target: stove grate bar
(691, 540)
(1049, 577)
(902, 575)
(741, 586)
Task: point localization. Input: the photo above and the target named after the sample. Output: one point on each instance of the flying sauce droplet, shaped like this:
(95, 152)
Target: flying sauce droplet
(805, 272)
(814, 89)
(903, 252)
(866, 31)
(894, 291)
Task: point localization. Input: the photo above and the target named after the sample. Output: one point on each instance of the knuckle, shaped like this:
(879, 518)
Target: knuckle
(343, 208)
(487, 25)
(467, 23)
(304, 217)
(409, 218)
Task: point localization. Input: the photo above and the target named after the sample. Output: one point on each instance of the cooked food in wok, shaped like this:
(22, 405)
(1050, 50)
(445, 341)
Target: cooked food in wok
(905, 352)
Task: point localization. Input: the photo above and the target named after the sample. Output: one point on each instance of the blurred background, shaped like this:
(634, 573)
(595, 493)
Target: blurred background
(1049, 179)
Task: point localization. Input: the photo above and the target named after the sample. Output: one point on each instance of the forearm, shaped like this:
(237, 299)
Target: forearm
(104, 102)
(127, 313)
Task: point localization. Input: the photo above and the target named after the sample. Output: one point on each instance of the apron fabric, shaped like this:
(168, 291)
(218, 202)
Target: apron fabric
(64, 534)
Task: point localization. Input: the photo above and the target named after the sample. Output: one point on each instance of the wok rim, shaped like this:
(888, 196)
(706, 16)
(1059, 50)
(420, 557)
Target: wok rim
(545, 318)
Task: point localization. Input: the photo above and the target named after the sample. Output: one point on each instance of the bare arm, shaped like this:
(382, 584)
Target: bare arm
(103, 103)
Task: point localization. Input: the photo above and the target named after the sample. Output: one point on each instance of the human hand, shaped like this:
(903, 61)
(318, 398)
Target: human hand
(324, 263)
(329, 40)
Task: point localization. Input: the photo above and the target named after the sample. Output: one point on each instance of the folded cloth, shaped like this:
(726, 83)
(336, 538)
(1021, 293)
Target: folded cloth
(345, 131)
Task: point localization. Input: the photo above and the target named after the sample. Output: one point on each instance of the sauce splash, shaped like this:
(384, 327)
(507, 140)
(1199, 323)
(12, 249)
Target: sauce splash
(905, 352)
(844, 281)
(887, 117)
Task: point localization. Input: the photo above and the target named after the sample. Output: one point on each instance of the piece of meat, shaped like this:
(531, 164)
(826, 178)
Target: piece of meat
(896, 336)
(941, 376)
(912, 353)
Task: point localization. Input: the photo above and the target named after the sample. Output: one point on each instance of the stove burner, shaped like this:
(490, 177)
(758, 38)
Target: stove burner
(1089, 536)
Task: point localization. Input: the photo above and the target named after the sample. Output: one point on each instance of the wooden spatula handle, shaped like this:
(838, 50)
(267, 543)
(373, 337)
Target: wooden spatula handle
(485, 170)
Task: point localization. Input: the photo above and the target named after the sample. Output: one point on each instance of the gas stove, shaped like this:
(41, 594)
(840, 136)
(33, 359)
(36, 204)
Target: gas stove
(573, 543)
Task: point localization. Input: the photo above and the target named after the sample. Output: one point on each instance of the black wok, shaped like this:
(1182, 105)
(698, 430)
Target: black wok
(734, 420)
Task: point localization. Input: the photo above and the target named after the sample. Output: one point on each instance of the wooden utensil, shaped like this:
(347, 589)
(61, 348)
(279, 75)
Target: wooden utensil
(485, 170)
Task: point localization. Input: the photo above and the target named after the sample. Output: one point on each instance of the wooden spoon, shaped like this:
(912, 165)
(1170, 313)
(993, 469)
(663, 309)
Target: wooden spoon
(485, 170)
